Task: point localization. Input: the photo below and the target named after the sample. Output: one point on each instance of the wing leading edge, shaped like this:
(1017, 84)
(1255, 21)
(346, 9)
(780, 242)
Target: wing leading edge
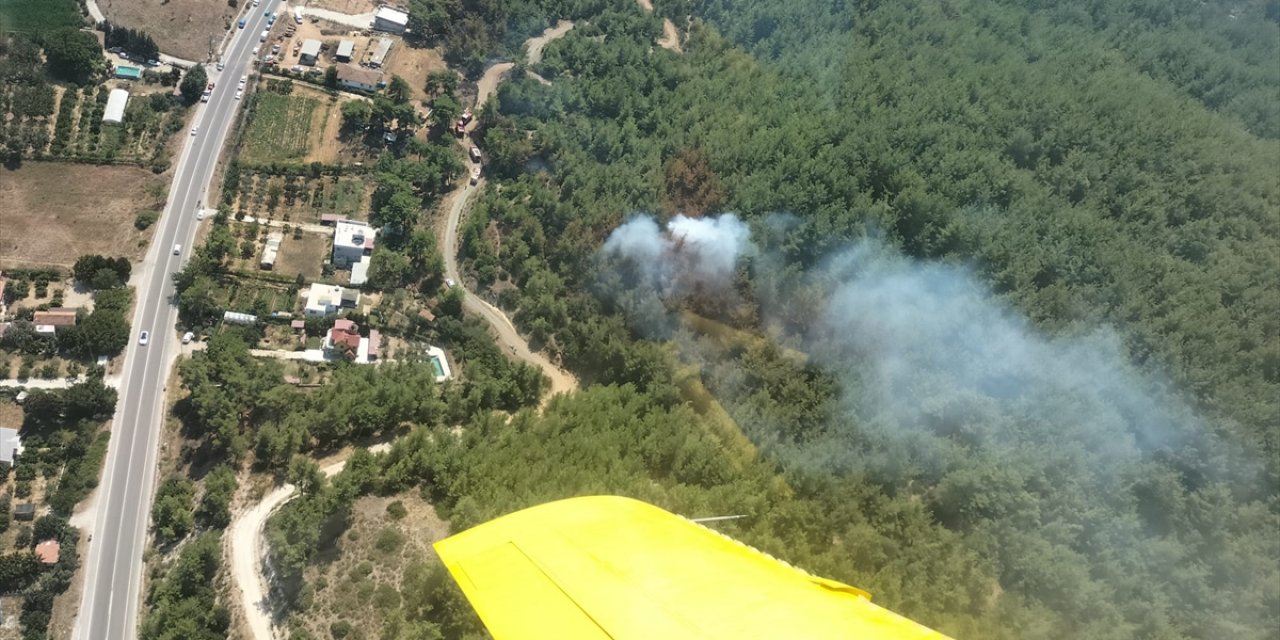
(616, 568)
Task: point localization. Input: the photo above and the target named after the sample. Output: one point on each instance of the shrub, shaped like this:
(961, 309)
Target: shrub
(146, 217)
(396, 510)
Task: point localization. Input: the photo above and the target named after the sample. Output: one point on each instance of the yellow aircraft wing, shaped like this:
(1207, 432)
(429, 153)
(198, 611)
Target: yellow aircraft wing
(609, 567)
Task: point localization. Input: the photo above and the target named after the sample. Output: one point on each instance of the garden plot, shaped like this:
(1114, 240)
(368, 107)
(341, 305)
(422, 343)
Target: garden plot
(258, 297)
(299, 199)
(279, 128)
(304, 254)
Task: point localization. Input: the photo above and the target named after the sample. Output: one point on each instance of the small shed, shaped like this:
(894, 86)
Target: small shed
(25, 511)
(309, 52)
(345, 49)
(378, 53)
(116, 102)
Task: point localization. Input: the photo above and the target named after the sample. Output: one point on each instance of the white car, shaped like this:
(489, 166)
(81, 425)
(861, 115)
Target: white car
(256, 49)
(243, 80)
(239, 93)
(177, 248)
(221, 66)
(143, 338)
(257, 2)
(186, 337)
(448, 282)
(199, 214)
(195, 130)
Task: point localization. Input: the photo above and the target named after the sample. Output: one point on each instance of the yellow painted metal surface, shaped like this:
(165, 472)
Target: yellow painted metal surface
(617, 568)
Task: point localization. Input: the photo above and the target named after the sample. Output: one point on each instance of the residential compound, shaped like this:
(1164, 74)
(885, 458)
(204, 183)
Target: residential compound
(51, 321)
(344, 341)
(390, 20)
(353, 247)
(325, 299)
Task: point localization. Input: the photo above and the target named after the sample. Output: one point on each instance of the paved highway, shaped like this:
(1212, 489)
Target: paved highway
(113, 584)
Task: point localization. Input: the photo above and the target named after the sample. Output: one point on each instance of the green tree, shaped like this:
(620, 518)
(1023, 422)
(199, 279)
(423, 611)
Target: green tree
(171, 516)
(73, 55)
(398, 89)
(331, 77)
(356, 114)
(193, 84)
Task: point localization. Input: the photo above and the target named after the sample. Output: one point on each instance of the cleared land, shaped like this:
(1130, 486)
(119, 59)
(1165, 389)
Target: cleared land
(346, 6)
(280, 128)
(302, 255)
(182, 28)
(413, 65)
(52, 213)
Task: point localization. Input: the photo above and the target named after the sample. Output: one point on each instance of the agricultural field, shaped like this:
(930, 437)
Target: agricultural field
(181, 28)
(52, 213)
(280, 127)
(302, 199)
(32, 16)
(259, 297)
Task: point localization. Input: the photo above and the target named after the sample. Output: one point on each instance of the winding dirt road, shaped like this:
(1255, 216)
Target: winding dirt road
(248, 553)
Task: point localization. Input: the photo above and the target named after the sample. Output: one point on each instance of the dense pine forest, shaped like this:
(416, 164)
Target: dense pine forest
(996, 309)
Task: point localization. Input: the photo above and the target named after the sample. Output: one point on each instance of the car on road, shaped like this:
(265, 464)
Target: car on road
(221, 66)
(199, 214)
(475, 175)
(195, 130)
(177, 248)
(255, 49)
(239, 93)
(242, 23)
(257, 2)
(144, 337)
(448, 282)
(243, 80)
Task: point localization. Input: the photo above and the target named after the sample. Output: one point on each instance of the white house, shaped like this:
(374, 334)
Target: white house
(116, 102)
(10, 446)
(390, 20)
(324, 299)
(357, 79)
(352, 242)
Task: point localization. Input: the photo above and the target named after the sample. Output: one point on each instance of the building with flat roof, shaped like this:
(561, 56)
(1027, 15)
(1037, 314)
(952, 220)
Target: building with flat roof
(378, 53)
(324, 299)
(344, 51)
(49, 322)
(116, 102)
(390, 19)
(309, 52)
(352, 241)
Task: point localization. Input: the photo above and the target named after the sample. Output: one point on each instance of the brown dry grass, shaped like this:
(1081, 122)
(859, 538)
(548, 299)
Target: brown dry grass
(346, 6)
(413, 65)
(182, 28)
(10, 415)
(52, 213)
(303, 255)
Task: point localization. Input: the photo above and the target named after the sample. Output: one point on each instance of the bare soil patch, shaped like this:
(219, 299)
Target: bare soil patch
(302, 255)
(346, 6)
(181, 28)
(52, 213)
(413, 65)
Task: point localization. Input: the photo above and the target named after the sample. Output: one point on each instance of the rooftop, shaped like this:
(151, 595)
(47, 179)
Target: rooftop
(310, 47)
(10, 445)
(349, 233)
(60, 317)
(392, 15)
(357, 75)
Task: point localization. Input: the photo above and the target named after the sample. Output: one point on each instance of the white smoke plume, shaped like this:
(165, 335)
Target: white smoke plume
(687, 252)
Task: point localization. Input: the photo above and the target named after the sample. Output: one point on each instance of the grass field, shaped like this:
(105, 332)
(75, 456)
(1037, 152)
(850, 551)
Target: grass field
(36, 16)
(51, 213)
(280, 128)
